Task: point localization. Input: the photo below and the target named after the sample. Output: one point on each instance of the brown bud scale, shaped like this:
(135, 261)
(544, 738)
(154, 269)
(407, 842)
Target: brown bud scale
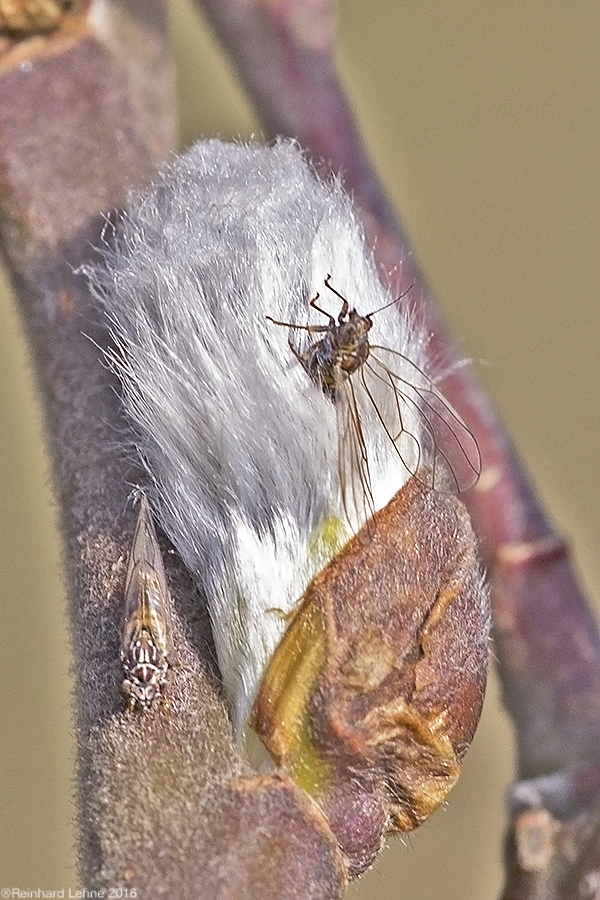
(374, 694)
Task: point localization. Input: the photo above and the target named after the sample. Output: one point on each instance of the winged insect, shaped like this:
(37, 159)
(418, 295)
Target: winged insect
(147, 640)
(376, 384)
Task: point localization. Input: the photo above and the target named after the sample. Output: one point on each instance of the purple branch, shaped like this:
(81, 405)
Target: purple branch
(166, 804)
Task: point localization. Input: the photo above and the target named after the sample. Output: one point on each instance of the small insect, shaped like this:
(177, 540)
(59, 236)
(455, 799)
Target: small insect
(366, 380)
(147, 633)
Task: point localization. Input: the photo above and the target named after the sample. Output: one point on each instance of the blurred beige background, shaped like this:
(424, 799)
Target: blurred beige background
(484, 121)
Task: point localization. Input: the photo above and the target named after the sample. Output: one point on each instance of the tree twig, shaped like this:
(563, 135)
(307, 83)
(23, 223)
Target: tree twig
(98, 108)
(166, 803)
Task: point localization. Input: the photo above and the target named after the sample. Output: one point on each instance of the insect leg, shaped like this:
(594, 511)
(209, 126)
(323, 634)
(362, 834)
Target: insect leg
(313, 303)
(311, 328)
(344, 310)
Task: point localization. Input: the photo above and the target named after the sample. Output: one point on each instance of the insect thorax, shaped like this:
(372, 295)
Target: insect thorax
(353, 344)
(339, 354)
(145, 671)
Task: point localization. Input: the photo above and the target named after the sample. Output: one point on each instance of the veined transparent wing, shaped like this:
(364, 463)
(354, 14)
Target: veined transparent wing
(431, 439)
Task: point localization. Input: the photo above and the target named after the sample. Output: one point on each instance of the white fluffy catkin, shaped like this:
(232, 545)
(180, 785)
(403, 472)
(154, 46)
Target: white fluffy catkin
(241, 446)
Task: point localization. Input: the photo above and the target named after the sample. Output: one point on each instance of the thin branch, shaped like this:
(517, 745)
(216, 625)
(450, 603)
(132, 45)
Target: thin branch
(97, 106)
(166, 804)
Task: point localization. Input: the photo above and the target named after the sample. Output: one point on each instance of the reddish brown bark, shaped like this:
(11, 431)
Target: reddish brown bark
(81, 120)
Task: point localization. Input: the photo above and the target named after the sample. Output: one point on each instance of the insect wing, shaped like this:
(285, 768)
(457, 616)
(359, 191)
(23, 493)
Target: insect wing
(429, 436)
(147, 632)
(354, 473)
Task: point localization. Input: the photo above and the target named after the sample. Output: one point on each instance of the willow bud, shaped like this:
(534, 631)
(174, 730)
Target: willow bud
(373, 695)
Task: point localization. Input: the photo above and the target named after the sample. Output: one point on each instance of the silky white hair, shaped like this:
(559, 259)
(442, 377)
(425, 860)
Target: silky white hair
(241, 446)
